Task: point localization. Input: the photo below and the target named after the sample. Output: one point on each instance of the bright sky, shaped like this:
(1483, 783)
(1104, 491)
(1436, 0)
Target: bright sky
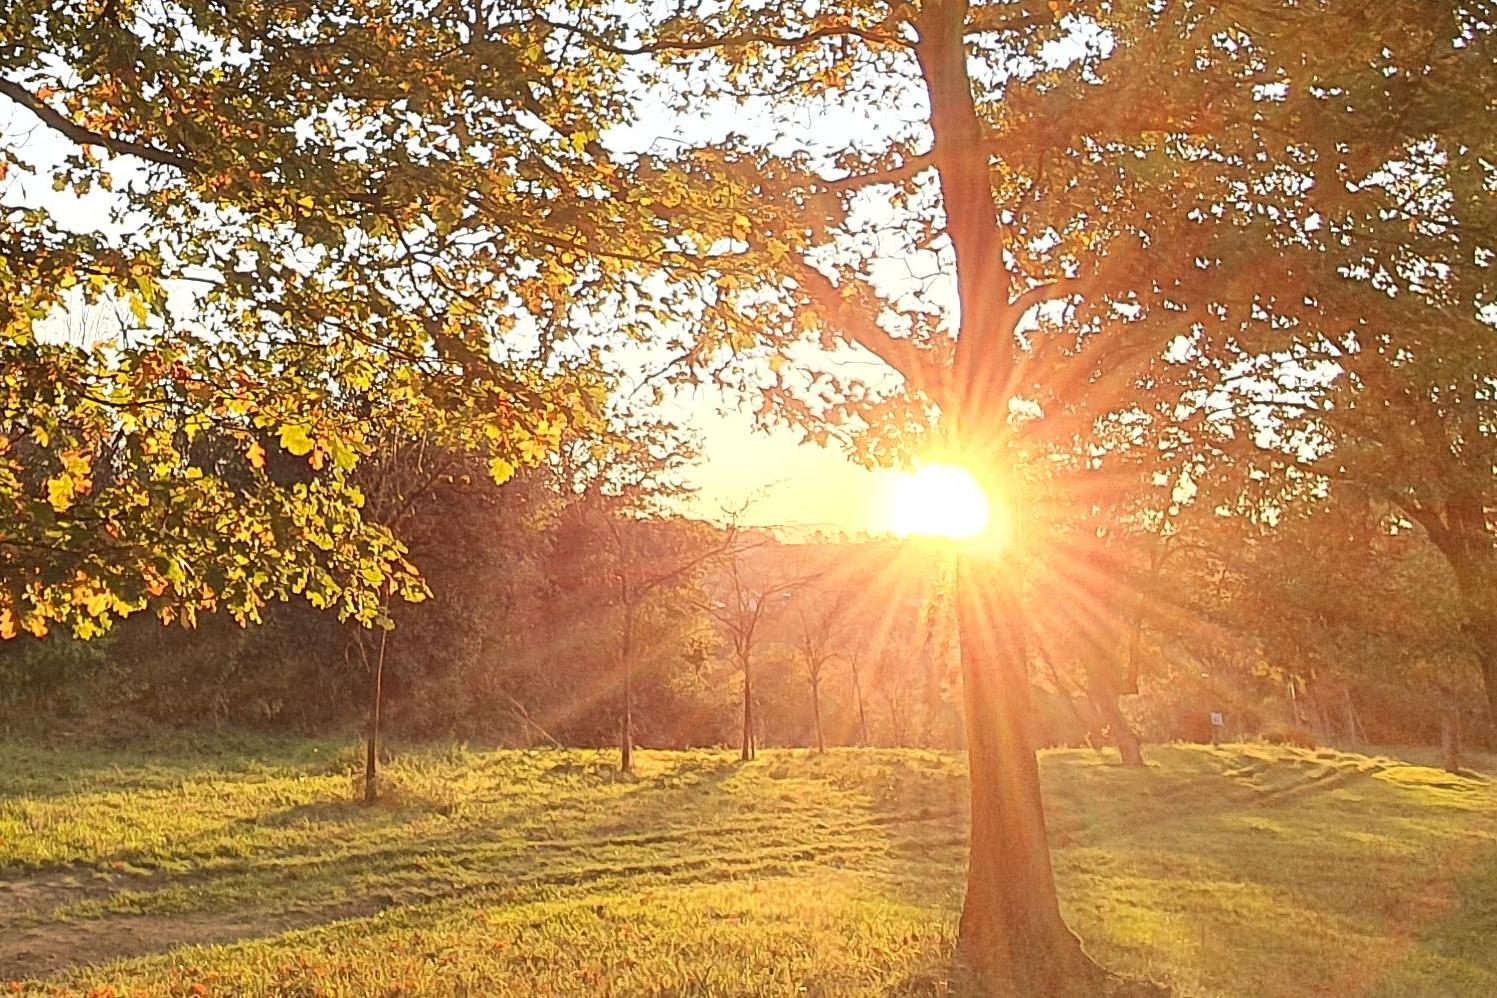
(788, 483)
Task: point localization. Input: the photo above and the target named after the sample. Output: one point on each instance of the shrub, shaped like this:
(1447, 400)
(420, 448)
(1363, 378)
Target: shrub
(1297, 737)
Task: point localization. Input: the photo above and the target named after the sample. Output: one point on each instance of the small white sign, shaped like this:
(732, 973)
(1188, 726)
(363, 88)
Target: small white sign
(1216, 720)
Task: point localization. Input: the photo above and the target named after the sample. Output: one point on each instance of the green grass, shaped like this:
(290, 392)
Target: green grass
(246, 867)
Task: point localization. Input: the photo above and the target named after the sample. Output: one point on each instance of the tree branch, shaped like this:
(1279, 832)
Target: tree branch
(858, 326)
(61, 123)
(911, 167)
(738, 40)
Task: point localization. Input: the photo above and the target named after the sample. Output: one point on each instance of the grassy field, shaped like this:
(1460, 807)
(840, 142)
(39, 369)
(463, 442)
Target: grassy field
(245, 867)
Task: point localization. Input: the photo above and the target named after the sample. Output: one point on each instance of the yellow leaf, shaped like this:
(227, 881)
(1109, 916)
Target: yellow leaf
(344, 456)
(256, 454)
(501, 470)
(60, 491)
(8, 628)
(296, 439)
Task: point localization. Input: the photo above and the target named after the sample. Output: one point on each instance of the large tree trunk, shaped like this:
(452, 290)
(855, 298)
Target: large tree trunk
(1012, 933)
(1483, 632)
(1104, 696)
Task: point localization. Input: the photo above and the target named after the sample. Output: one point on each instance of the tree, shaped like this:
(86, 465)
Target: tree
(622, 485)
(407, 465)
(959, 177)
(817, 643)
(651, 559)
(1385, 277)
(740, 607)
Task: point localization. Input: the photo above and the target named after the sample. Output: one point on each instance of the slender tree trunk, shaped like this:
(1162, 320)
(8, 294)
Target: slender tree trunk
(747, 752)
(626, 719)
(626, 727)
(930, 698)
(1130, 749)
(1354, 733)
(376, 696)
(816, 713)
(1011, 930)
(1091, 727)
(857, 690)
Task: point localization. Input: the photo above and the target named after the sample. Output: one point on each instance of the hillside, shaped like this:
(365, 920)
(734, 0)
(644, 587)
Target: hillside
(1241, 871)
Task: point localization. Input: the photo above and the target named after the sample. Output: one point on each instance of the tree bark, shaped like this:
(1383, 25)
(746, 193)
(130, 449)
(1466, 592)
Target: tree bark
(1011, 933)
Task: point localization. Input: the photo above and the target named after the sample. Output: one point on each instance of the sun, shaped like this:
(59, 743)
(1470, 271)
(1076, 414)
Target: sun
(939, 500)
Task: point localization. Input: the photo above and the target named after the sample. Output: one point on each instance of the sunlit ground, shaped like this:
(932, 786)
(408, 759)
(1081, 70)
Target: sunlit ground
(246, 868)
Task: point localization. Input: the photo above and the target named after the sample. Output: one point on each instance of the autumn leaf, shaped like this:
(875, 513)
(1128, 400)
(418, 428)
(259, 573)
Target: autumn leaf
(501, 470)
(60, 492)
(344, 456)
(255, 454)
(296, 439)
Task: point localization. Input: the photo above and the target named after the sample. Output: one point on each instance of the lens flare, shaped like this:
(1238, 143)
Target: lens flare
(939, 500)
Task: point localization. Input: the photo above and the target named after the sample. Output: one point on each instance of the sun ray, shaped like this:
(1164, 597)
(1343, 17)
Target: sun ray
(938, 500)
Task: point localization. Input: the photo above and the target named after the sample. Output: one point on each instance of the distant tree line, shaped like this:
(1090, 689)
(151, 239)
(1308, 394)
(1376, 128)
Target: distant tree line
(527, 637)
